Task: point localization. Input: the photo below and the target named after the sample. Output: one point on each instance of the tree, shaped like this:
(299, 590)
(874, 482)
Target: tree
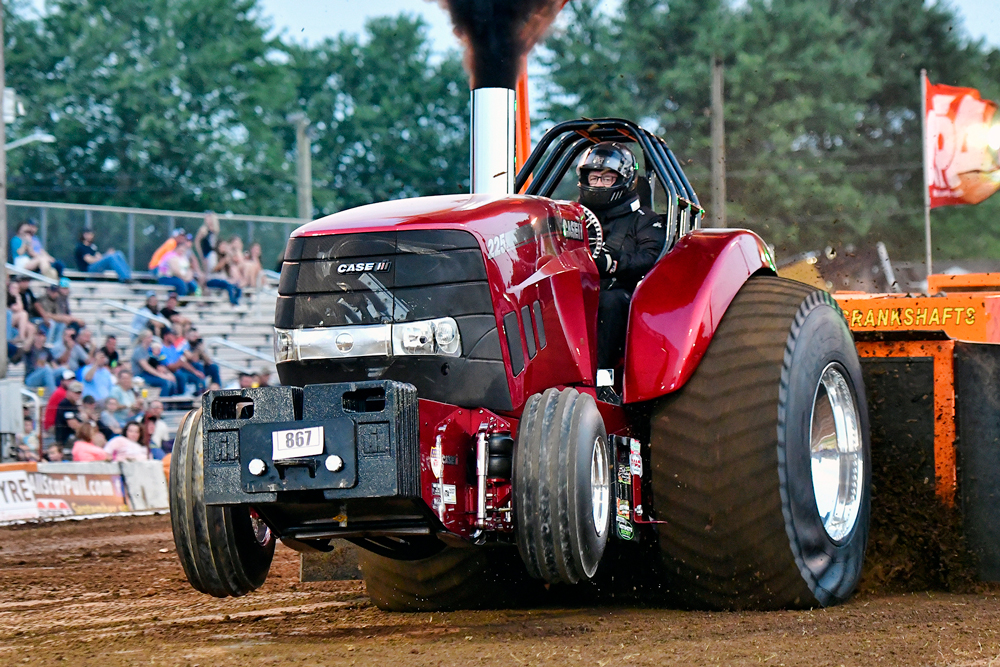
(388, 121)
(161, 103)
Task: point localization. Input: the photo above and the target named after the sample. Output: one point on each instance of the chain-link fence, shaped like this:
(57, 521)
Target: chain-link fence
(138, 232)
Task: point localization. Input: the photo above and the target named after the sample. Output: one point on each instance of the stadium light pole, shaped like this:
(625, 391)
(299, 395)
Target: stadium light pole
(3, 202)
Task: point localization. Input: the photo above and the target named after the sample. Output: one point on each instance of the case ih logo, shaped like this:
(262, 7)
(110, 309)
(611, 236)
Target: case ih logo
(364, 267)
(572, 229)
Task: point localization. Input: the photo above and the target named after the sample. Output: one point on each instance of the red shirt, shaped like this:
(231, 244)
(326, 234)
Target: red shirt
(50, 410)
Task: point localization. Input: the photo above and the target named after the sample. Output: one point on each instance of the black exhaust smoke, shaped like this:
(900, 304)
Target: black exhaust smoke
(498, 34)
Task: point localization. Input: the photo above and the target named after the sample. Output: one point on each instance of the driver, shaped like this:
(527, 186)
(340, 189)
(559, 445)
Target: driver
(633, 238)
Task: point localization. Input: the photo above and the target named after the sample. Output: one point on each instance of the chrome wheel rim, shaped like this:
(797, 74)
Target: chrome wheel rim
(261, 531)
(836, 454)
(600, 486)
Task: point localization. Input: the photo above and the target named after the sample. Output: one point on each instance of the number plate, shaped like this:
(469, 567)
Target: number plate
(296, 442)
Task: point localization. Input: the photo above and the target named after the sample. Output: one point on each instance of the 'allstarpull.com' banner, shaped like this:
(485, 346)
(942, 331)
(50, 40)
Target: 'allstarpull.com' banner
(962, 138)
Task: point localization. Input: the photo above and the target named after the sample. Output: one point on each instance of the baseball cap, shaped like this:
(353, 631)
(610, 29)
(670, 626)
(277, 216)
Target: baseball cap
(67, 374)
(150, 294)
(76, 385)
(64, 282)
(179, 231)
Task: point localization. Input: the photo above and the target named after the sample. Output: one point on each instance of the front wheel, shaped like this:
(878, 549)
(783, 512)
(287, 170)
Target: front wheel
(761, 463)
(225, 551)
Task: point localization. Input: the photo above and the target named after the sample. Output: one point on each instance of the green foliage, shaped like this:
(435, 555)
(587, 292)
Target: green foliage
(184, 104)
(822, 107)
(391, 123)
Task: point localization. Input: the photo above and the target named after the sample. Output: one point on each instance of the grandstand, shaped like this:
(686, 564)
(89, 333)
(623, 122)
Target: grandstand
(239, 338)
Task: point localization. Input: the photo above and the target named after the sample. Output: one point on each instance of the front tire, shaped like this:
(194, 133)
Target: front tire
(562, 486)
(225, 551)
(761, 463)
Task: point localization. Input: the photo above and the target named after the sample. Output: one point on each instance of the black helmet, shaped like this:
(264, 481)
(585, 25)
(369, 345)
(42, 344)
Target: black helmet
(607, 155)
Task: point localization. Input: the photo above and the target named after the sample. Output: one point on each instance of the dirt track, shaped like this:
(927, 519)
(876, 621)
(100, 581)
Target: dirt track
(110, 592)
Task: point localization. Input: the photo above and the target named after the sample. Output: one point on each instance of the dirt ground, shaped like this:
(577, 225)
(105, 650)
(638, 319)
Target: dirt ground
(111, 592)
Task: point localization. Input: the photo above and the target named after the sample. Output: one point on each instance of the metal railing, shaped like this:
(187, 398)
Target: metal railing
(38, 416)
(31, 274)
(249, 351)
(118, 305)
(137, 232)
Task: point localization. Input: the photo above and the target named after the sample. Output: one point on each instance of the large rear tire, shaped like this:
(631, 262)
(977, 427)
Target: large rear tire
(761, 463)
(225, 551)
(453, 578)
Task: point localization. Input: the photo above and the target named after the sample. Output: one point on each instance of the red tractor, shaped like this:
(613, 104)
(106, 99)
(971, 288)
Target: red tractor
(441, 408)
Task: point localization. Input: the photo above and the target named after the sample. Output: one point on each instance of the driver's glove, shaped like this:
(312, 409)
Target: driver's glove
(606, 263)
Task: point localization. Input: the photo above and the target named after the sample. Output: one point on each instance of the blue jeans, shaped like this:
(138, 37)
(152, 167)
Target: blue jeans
(114, 262)
(182, 288)
(167, 387)
(234, 290)
(43, 376)
(184, 378)
(212, 371)
(55, 332)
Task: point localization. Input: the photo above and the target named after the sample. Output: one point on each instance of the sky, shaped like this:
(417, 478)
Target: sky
(312, 20)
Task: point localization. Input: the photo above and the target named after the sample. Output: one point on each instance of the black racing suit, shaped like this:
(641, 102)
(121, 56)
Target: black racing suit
(633, 239)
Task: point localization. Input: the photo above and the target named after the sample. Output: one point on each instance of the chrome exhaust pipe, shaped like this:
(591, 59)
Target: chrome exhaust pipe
(493, 121)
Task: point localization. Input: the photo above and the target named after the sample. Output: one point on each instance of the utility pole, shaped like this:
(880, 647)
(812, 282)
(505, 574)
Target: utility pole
(718, 146)
(3, 203)
(303, 165)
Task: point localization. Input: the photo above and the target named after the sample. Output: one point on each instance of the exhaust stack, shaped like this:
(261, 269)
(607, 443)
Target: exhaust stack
(493, 120)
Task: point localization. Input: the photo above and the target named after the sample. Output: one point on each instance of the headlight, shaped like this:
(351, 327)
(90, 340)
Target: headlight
(438, 336)
(427, 337)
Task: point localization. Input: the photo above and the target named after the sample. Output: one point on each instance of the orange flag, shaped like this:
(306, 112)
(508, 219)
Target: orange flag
(961, 142)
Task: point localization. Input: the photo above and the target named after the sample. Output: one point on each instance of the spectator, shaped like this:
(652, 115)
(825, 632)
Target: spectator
(159, 433)
(28, 299)
(110, 350)
(53, 309)
(124, 394)
(244, 381)
(178, 364)
(128, 446)
(206, 241)
(27, 253)
(97, 378)
(85, 448)
(27, 441)
(148, 363)
(263, 377)
(69, 416)
(226, 274)
(108, 421)
(53, 453)
(178, 322)
(89, 260)
(150, 309)
(197, 355)
(39, 366)
(62, 349)
(19, 326)
(252, 270)
(56, 398)
(82, 353)
(175, 268)
(167, 246)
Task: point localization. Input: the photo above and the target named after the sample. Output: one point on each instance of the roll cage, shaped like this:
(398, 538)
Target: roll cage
(560, 147)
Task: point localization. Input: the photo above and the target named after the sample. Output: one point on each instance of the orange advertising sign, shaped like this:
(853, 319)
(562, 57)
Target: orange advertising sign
(961, 316)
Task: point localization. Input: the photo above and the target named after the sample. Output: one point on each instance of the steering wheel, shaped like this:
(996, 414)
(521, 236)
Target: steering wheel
(595, 235)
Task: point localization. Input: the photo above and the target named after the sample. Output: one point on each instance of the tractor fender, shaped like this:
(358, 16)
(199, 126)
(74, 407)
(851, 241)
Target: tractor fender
(677, 307)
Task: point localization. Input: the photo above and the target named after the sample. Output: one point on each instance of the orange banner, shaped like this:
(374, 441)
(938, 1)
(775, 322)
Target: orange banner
(961, 141)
